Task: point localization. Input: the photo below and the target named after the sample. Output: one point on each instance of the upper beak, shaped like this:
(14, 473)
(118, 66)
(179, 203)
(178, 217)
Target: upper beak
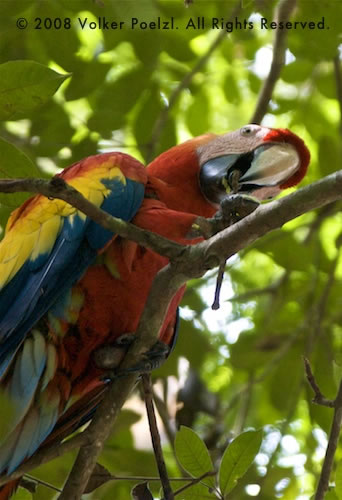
(272, 164)
(259, 172)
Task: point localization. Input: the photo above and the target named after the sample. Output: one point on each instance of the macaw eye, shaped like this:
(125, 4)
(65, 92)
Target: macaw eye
(249, 130)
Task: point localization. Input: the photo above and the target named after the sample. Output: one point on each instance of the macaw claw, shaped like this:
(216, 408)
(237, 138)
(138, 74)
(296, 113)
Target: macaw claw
(151, 360)
(109, 357)
(233, 208)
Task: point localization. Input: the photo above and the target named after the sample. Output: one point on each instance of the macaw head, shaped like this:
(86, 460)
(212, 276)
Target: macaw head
(254, 160)
(195, 176)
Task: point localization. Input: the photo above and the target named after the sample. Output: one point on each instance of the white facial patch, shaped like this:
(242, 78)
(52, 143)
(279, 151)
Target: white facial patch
(272, 165)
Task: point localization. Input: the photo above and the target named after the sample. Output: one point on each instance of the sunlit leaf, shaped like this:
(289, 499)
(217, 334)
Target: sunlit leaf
(25, 85)
(193, 454)
(237, 458)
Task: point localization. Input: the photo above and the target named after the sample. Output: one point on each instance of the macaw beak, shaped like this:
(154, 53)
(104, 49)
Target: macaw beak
(259, 173)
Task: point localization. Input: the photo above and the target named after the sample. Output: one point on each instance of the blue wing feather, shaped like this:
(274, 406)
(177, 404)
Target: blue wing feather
(33, 291)
(74, 251)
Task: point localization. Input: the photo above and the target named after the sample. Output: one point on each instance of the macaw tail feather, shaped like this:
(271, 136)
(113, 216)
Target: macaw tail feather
(77, 415)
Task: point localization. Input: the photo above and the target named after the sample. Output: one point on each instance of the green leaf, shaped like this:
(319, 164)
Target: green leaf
(197, 492)
(51, 124)
(249, 354)
(87, 77)
(297, 71)
(237, 459)
(22, 494)
(289, 253)
(114, 101)
(338, 480)
(146, 117)
(287, 373)
(329, 154)
(13, 164)
(178, 46)
(60, 49)
(231, 89)
(331, 495)
(25, 85)
(192, 454)
(198, 113)
(326, 84)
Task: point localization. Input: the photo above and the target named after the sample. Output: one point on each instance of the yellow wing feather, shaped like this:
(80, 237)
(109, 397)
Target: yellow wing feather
(34, 231)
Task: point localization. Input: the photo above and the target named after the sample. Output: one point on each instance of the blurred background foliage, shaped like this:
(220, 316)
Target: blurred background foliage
(141, 91)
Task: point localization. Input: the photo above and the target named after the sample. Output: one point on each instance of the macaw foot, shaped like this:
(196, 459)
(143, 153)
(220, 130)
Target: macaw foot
(109, 357)
(152, 359)
(233, 208)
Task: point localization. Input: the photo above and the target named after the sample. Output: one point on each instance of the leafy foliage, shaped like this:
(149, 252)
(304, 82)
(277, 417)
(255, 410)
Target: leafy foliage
(192, 453)
(237, 458)
(281, 296)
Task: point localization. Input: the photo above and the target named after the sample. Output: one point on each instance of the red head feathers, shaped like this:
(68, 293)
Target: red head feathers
(263, 160)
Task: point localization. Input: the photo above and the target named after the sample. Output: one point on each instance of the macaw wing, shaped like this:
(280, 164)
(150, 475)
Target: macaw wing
(49, 244)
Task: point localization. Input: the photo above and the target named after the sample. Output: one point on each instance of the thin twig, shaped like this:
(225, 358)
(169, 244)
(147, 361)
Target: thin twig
(283, 13)
(43, 483)
(194, 481)
(335, 430)
(155, 436)
(319, 398)
(148, 478)
(161, 406)
(219, 281)
(202, 61)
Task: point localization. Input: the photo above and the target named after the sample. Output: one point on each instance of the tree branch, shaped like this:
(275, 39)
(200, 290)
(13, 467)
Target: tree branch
(155, 436)
(58, 188)
(335, 430)
(194, 262)
(283, 13)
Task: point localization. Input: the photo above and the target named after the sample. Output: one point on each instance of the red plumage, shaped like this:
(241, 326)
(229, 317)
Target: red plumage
(107, 300)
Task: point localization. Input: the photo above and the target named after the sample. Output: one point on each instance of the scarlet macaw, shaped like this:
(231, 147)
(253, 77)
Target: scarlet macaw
(68, 286)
